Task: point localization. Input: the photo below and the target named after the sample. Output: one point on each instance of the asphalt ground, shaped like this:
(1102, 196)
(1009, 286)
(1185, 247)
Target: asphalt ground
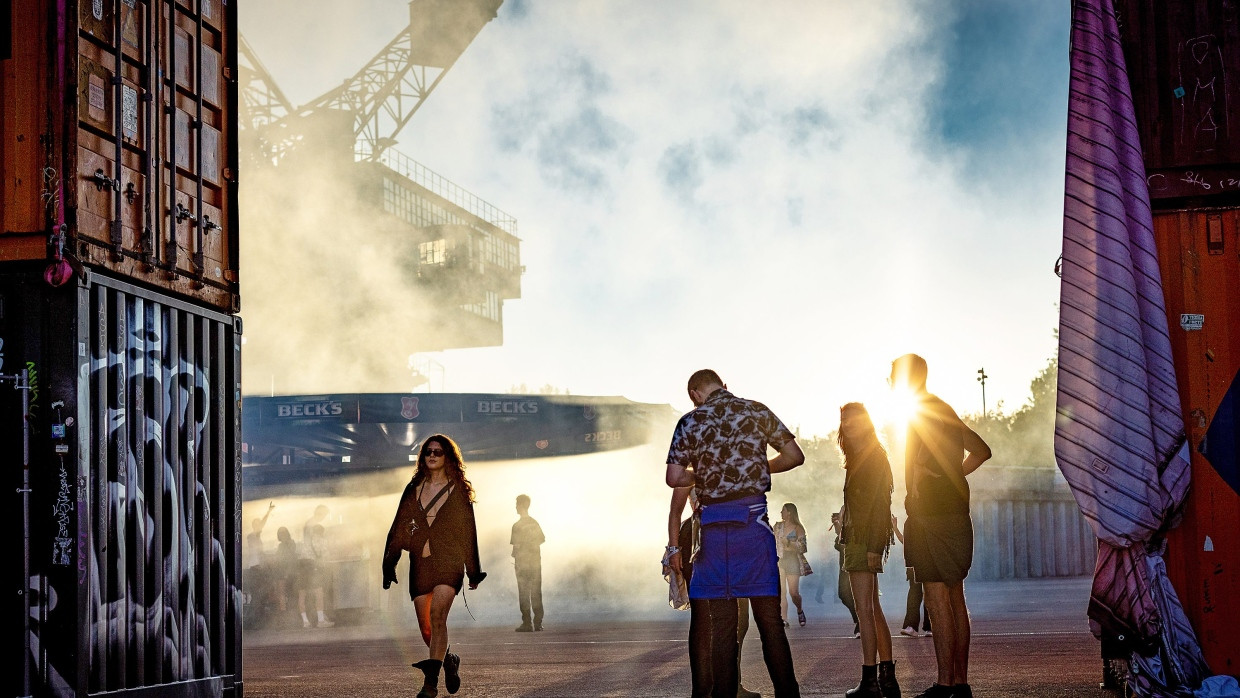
(1030, 638)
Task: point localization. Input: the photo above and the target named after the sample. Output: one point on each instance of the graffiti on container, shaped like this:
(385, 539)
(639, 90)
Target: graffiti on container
(156, 425)
(1201, 73)
(62, 543)
(1158, 182)
(32, 380)
(43, 602)
(166, 431)
(83, 548)
(50, 196)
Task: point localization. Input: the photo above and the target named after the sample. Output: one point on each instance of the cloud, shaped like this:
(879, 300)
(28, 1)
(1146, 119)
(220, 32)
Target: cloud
(566, 127)
(782, 192)
(1004, 81)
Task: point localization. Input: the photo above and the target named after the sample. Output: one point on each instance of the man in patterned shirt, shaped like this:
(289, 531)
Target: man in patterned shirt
(720, 448)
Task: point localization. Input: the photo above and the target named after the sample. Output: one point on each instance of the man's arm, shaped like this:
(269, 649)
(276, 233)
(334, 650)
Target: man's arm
(979, 452)
(678, 475)
(680, 496)
(790, 456)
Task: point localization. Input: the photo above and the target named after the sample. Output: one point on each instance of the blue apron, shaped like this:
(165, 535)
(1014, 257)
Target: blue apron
(736, 557)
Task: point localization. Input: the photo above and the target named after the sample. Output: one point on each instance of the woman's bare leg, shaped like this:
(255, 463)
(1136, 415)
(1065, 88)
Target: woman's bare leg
(865, 590)
(783, 597)
(441, 603)
(422, 604)
(882, 634)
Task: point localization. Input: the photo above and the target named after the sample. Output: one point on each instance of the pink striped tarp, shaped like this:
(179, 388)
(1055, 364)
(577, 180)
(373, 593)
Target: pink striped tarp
(1119, 434)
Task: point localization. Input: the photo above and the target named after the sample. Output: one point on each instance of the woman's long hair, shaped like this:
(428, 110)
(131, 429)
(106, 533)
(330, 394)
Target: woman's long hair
(453, 463)
(793, 516)
(857, 451)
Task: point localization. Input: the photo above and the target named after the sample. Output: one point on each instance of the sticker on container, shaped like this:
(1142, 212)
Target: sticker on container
(62, 448)
(129, 111)
(96, 9)
(1192, 321)
(129, 24)
(96, 96)
(1209, 546)
(58, 431)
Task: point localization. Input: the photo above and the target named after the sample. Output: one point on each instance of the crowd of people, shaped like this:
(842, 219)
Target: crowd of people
(726, 557)
(718, 460)
(293, 575)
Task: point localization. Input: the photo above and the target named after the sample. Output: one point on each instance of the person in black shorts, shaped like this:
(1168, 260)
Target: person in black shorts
(435, 523)
(938, 533)
(867, 537)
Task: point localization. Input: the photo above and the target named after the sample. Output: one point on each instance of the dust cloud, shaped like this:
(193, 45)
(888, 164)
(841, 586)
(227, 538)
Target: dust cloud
(604, 516)
(329, 283)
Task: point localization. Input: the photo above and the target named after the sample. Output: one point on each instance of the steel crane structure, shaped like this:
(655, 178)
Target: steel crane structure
(382, 96)
(464, 252)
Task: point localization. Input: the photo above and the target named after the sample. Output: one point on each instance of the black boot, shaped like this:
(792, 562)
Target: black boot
(868, 688)
(887, 683)
(451, 671)
(430, 686)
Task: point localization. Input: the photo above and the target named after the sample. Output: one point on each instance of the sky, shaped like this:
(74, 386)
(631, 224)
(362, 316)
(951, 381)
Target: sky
(790, 193)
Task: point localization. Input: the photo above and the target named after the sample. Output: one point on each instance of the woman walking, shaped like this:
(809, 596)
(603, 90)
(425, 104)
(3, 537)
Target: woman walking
(790, 541)
(435, 523)
(867, 536)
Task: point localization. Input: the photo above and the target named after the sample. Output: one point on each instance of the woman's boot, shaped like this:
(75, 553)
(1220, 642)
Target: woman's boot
(452, 671)
(887, 684)
(868, 688)
(430, 686)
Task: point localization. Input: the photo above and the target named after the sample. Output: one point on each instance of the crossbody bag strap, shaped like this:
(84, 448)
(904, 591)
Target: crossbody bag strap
(431, 505)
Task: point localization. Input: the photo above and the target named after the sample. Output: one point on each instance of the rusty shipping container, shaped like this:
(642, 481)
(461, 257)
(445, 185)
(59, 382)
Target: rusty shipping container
(1183, 60)
(120, 420)
(118, 142)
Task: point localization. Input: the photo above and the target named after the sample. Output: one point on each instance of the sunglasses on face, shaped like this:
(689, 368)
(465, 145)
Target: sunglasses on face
(433, 452)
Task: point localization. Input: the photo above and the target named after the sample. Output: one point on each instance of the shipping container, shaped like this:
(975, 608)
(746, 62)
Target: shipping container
(120, 423)
(1183, 62)
(1199, 256)
(118, 141)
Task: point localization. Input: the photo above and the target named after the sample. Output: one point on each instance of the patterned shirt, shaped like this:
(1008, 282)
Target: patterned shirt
(725, 441)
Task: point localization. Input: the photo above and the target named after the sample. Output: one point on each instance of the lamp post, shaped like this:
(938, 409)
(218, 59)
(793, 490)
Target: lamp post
(981, 378)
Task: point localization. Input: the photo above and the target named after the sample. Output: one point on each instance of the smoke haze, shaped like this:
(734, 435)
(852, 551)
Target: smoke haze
(791, 196)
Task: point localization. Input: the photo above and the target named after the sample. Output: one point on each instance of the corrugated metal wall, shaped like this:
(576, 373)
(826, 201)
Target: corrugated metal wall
(134, 487)
(1017, 538)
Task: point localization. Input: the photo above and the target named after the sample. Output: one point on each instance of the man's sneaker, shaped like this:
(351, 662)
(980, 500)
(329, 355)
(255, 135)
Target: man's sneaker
(525, 628)
(909, 632)
(451, 671)
(742, 692)
(962, 690)
(926, 633)
(538, 628)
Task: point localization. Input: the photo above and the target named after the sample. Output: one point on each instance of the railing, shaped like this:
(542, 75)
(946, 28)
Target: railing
(445, 188)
